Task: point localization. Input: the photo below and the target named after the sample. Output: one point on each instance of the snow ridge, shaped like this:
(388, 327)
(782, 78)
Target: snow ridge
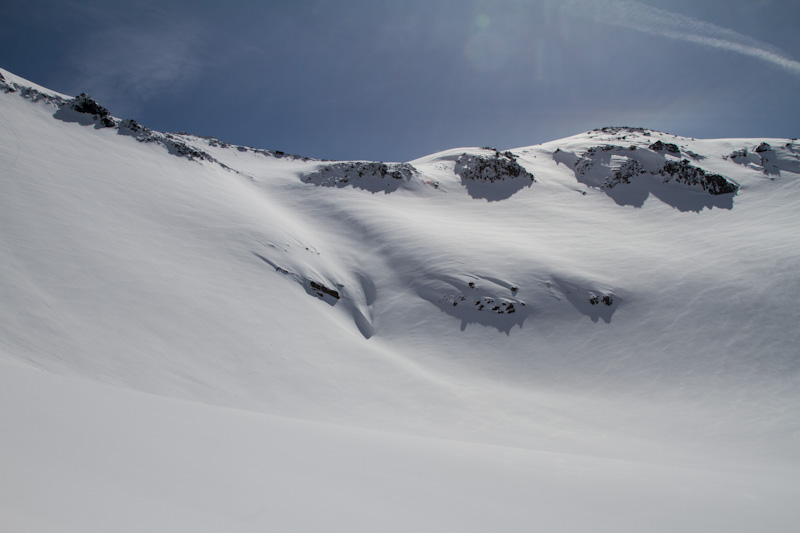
(605, 322)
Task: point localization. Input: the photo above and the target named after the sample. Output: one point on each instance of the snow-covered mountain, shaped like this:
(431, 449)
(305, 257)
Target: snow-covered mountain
(598, 333)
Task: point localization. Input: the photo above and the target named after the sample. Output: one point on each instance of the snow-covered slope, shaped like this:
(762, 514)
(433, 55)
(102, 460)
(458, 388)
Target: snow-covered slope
(614, 313)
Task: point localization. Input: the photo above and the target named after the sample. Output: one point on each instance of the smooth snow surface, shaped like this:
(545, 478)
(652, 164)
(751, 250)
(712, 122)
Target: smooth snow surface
(594, 334)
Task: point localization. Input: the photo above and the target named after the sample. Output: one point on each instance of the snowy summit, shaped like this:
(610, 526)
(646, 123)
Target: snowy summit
(597, 333)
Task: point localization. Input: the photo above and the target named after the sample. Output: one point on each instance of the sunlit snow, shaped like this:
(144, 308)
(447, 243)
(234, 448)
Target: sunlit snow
(598, 333)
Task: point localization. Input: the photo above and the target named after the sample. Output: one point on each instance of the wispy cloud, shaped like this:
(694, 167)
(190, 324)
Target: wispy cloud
(640, 17)
(129, 65)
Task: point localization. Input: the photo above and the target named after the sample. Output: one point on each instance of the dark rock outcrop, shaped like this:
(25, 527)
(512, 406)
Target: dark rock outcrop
(498, 167)
(763, 147)
(660, 146)
(372, 176)
(625, 173)
(321, 290)
(684, 172)
(83, 103)
(633, 165)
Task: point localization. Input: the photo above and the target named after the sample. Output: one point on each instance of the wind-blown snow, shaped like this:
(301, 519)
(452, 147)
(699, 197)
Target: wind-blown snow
(590, 334)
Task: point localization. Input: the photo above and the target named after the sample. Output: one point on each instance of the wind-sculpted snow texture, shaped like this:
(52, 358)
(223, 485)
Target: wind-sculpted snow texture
(475, 349)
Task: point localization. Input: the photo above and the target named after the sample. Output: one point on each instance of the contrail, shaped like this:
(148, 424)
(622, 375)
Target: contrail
(636, 16)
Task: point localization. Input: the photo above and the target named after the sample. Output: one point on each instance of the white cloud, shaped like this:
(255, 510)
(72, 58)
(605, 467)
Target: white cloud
(636, 16)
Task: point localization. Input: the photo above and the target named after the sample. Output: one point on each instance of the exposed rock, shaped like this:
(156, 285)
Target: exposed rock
(763, 158)
(624, 165)
(660, 146)
(625, 173)
(184, 150)
(29, 93)
(606, 299)
(321, 289)
(683, 172)
(132, 126)
(172, 142)
(278, 154)
(371, 175)
(499, 167)
(738, 154)
(763, 147)
(5, 86)
(217, 143)
(614, 130)
(83, 103)
(485, 304)
(609, 148)
(694, 155)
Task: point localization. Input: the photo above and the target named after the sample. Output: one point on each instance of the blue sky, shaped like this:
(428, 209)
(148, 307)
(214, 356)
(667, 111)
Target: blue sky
(398, 80)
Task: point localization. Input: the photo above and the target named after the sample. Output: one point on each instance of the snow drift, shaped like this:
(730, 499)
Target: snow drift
(605, 322)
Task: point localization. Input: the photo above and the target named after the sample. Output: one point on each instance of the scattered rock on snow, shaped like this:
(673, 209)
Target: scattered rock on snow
(499, 167)
(606, 299)
(368, 175)
(487, 304)
(660, 146)
(683, 172)
(607, 166)
(322, 290)
(625, 173)
(492, 177)
(763, 147)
